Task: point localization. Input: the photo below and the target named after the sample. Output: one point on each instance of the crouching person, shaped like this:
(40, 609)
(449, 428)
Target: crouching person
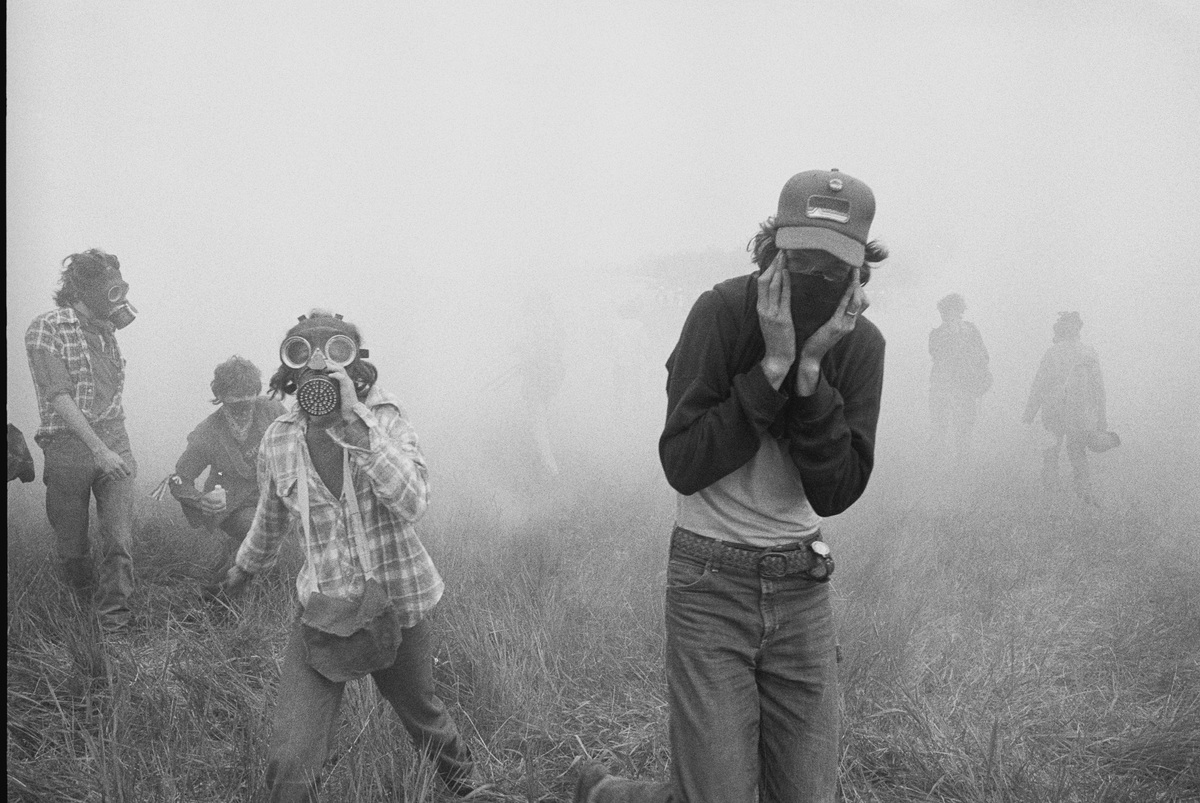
(344, 471)
(226, 444)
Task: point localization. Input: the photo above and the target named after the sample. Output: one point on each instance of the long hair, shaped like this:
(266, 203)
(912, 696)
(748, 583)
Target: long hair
(762, 249)
(82, 270)
(364, 375)
(237, 376)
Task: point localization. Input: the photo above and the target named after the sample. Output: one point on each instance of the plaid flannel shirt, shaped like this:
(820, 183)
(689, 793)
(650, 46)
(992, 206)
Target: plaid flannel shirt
(389, 479)
(60, 333)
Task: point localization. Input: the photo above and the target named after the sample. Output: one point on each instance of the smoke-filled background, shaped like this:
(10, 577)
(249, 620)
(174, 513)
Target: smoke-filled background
(495, 190)
(460, 179)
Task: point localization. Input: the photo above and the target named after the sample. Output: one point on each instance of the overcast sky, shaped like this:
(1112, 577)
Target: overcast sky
(427, 168)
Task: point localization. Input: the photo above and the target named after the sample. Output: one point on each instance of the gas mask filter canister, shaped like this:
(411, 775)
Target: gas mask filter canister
(317, 394)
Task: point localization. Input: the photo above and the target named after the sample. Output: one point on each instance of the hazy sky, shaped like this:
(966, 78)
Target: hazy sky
(427, 168)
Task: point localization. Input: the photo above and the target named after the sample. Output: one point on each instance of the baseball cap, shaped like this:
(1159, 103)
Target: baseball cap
(828, 210)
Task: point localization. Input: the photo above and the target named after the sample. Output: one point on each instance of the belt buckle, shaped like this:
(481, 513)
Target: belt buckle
(772, 565)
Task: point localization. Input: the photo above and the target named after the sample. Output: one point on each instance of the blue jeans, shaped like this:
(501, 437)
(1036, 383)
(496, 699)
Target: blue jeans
(306, 709)
(72, 479)
(753, 690)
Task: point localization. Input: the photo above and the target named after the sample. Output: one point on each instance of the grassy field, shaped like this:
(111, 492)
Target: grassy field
(998, 645)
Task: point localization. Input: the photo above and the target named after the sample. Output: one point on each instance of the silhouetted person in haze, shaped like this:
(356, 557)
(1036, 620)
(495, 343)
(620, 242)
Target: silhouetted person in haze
(773, 396)
(541, 369)
(958, 377)
(629, 345)
(79, 375)
(226, 444)
(1068, 390)
(344, 471)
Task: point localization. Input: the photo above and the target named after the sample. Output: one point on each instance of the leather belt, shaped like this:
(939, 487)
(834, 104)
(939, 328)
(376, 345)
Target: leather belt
(770, 562)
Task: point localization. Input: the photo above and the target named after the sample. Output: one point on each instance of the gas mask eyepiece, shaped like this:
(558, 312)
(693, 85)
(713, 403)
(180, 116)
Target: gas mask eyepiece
(339, 351)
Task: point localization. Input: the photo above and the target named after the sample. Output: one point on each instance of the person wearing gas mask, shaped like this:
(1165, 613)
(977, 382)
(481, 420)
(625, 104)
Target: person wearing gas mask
(773, 394)
(959, 376)
(1068, 390)
(226, 444)
(344, 470)
(79, 375)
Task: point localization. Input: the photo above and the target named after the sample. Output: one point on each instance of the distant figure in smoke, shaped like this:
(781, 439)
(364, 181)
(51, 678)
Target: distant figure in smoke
(773, 395)
(344, 471)
(541, 369)
(959, 375)
(226, 443)
(1068, 390)
(629, 345)
(79, 375)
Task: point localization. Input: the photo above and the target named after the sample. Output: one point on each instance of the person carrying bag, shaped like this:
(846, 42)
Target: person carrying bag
(367, 586)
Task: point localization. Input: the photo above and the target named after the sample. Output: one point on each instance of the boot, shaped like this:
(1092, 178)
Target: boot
(79, 575)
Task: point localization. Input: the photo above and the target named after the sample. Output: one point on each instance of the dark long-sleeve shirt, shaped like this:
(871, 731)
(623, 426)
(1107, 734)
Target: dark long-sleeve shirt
(213, 443)
(720, 403)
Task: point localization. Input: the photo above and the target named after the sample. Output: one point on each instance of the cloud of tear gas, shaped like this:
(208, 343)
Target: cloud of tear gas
(480, 185)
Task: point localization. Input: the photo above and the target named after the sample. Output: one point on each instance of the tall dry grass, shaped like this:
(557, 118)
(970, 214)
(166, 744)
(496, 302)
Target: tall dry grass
(998, 645)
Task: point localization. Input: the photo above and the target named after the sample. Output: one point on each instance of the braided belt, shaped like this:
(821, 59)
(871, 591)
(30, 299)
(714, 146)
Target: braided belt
(798, 558)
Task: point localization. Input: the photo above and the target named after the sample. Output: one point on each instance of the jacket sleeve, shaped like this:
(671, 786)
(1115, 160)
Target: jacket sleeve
(1098, 395)
(981, 352)
(714, 421)
(191, 464)
(195, 460)
(1039, 389)
(831, 434)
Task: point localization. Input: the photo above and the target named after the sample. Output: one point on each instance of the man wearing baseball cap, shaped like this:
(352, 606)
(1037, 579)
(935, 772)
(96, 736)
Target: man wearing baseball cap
(772, 401)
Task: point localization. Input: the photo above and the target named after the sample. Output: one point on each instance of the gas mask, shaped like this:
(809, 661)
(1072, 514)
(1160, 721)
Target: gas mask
(106, 299)
(311, 353)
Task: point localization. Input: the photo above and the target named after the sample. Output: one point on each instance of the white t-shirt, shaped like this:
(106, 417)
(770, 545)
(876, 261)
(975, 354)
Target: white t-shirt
(761, 504)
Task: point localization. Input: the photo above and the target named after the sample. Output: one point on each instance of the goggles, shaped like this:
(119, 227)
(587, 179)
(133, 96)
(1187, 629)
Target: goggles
(338, 350)
(808, 262)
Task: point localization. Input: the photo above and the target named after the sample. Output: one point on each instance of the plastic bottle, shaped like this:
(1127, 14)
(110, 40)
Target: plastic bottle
(219, 494)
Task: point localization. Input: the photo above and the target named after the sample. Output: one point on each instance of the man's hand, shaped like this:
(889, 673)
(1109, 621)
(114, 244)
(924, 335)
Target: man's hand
(235, 581)
(854, 301)
(348, 395)
(775, 320)
(111, 464)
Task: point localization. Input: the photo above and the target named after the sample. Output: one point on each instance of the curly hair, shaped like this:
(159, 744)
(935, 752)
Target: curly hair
(763, 250)
(236, 377)
(81, 270)
(283, 382)
(952, 303)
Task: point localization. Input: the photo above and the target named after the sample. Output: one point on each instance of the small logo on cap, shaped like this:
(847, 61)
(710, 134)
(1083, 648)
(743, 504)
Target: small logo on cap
(835, 184)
